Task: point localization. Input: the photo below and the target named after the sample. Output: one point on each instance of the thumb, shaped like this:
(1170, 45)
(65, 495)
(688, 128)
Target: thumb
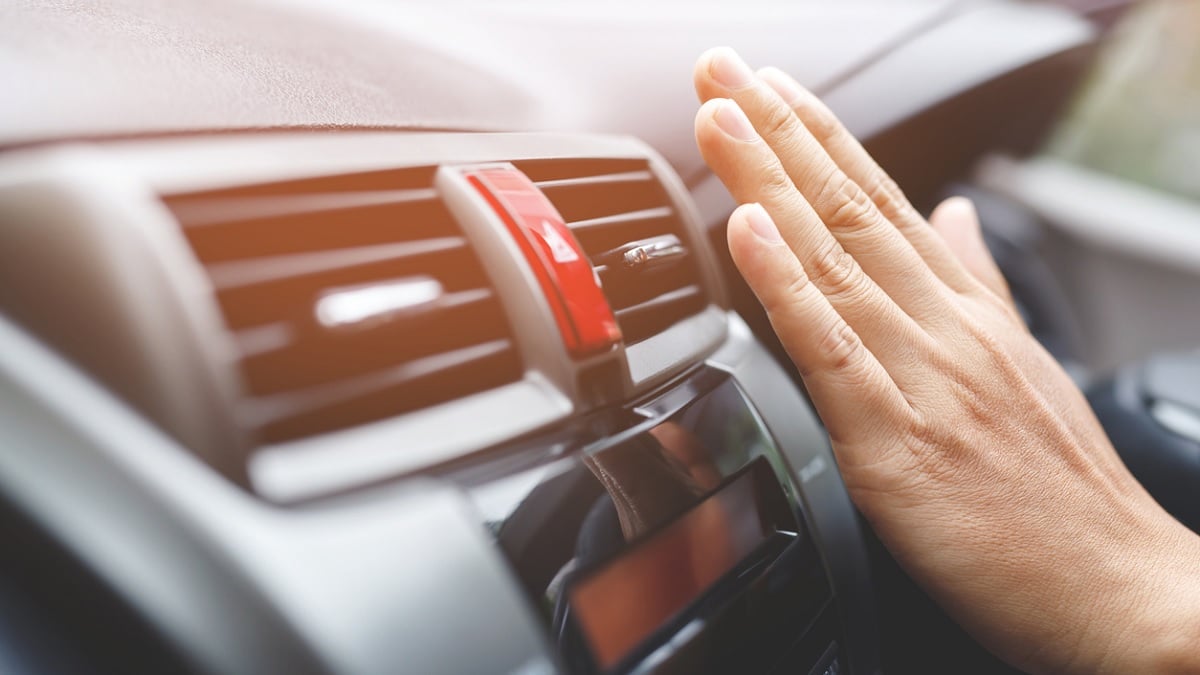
(957, 222)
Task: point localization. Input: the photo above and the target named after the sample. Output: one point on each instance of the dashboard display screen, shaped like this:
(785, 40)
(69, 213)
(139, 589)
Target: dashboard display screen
(623, 602)
(669, 538)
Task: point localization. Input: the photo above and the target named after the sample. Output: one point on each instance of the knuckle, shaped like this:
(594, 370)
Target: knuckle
(818, 119)
(933, 452)
(776, 183)
(797, 287)
(841, 348)
(778, 122)
(970, 397)
(885, 192)
(835, 271)
(844, 204)
(788, 296)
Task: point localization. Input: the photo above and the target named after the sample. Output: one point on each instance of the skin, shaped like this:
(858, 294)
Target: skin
(973, 455)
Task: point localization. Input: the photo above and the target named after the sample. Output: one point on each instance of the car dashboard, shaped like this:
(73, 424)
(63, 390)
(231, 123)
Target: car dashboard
(350, 382)
(356, 324)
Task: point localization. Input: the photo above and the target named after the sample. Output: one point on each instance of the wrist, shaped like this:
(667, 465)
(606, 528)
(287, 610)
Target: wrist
(1161, 630)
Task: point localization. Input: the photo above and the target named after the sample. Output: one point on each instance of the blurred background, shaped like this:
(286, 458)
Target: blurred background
(1138, 114)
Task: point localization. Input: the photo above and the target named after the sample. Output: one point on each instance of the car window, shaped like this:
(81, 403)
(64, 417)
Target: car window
(1139, 115)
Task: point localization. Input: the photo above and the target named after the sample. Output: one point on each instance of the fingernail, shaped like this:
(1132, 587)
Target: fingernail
(958, 208)
(733, 121)
(728, 69)
(761, 224)
(783, 85)
(963, 205)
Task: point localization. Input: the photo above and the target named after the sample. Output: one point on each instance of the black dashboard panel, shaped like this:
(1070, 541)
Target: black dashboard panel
(1011, 114)
(674, 542)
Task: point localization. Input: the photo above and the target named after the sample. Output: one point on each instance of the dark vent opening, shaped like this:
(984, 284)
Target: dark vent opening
(397, 392)
(327, 221)
(583, 201)
(612, 203)
(274, 252)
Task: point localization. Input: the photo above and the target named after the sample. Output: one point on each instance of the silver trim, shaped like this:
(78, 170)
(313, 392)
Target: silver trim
(626, 177)
(653, 252)
(239, 273)
(631, 216)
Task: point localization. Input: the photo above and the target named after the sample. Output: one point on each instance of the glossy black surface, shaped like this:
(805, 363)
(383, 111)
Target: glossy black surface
(692, 481)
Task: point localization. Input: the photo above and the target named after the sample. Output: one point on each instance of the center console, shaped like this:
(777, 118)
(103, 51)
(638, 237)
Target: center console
(378, 402)
(671, 537)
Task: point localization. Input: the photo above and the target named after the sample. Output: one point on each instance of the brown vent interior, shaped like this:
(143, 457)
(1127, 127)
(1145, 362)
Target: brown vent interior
(277, 252)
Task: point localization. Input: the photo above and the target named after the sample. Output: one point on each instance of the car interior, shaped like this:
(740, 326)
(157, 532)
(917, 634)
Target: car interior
(379, 336)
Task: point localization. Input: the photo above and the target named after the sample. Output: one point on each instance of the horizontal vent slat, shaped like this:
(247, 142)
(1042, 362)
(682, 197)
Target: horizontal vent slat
(280, 335)
(264, 338)
(585, 201)
(404, 388)
(606, 180)
(645, 319)
(292, 298)
(317, 355)
(660, 302)
(208, 212)
(621, 219)
(246, 236)
(625, 290)
(241, 273)
(265, 410)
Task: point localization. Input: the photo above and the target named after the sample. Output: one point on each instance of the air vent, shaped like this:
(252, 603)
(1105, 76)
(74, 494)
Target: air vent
(628, 226)
(351, 298)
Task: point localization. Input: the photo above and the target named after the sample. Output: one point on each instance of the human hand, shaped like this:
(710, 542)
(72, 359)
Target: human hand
(973, 455)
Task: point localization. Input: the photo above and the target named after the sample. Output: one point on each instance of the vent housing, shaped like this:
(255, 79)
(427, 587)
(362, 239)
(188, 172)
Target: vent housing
(610, 204)
(274, 251)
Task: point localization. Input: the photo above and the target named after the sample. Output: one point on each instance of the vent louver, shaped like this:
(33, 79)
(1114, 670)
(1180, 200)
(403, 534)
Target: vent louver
(612, 205)
(351, 298)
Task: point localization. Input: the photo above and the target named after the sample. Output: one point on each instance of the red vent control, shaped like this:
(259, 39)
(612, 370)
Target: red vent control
(584, 317)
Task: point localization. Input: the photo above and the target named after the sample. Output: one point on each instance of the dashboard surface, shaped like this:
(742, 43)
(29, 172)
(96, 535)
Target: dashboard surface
(137, 67)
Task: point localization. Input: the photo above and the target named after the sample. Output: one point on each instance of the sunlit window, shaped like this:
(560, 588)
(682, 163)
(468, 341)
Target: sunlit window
(1139, 116)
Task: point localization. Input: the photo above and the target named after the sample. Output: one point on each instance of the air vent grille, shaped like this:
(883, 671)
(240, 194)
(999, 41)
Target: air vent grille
(351, 298)
(611, 205)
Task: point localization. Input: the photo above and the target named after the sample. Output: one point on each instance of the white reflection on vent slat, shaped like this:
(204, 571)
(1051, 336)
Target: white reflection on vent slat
(364, 305)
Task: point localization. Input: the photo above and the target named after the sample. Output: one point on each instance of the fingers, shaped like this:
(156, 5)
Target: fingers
(842, 375)
(845, 150)
(882, 251)
(752, 173)
(956, 221)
